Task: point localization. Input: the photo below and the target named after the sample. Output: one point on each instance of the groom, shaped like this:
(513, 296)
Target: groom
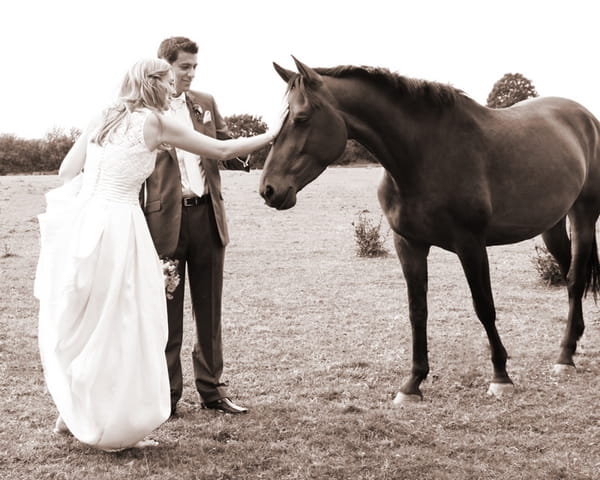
(186, 217)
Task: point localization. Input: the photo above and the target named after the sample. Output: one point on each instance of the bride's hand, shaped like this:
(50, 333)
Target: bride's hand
(277, 128)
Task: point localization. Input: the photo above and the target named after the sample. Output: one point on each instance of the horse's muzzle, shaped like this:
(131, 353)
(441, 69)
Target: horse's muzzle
(281, 199)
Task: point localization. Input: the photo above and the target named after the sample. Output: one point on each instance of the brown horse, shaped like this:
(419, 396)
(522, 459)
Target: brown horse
(459, 176)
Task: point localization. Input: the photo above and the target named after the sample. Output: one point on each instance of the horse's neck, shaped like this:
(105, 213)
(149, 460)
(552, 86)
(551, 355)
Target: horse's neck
(368, 117)
(395, 131)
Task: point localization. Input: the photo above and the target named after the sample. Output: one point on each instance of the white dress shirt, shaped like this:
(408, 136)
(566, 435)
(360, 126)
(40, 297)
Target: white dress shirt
(192, 174)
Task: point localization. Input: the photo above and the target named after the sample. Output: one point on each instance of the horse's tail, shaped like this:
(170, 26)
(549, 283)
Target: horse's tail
(592, 281)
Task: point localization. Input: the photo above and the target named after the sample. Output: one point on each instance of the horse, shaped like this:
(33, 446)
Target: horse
(457, 175)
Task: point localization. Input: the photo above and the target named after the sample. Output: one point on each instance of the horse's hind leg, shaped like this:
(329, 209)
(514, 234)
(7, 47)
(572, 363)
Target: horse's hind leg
(558, 244)
(582, 244)
(413, 258)
(473, 257)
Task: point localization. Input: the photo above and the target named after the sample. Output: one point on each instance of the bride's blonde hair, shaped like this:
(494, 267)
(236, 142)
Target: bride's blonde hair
(141, 88)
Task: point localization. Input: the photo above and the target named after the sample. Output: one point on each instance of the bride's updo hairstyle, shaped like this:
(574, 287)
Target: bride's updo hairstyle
(141, 88)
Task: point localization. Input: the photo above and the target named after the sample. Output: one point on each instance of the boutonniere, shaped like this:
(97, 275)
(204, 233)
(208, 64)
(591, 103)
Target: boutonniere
(171, 275)
(207, 117)
(197, 111)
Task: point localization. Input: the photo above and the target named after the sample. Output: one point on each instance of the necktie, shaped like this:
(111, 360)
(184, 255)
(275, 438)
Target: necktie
(192, 175)
(195, 178)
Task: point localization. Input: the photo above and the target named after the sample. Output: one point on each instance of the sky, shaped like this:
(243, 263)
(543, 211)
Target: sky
(63, 60)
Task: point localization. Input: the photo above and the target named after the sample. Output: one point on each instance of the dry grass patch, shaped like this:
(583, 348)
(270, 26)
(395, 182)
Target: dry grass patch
(317, 343)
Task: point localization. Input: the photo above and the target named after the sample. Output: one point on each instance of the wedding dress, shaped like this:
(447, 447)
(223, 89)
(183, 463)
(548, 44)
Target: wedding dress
(103, 316)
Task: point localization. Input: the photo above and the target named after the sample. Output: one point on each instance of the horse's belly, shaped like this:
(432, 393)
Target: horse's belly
(526, 221)
(527, 203)
(440, 226)
(507, 235)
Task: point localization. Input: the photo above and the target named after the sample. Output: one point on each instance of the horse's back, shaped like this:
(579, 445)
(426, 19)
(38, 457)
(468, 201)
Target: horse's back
(543, 155)
(524, 169)
(564, 125)
(558, 121)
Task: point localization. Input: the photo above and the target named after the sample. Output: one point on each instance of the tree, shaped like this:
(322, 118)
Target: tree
(56, 145)
(510, 89)
(19, 155)
(246, 125)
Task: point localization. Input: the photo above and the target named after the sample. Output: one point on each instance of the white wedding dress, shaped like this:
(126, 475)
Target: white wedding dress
(103, 316)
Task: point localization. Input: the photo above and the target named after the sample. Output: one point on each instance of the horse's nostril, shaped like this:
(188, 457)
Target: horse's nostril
(268, 192)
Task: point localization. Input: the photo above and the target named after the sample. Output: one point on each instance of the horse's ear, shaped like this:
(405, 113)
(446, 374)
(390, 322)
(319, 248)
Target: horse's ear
(283, 73)
(308, 73)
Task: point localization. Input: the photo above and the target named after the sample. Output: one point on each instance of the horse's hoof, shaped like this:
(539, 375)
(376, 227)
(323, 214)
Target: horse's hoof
(404, 398)
(563, 369)
(500, 390)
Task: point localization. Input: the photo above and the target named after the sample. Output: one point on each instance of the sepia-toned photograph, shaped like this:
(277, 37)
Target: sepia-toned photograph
(300, 240)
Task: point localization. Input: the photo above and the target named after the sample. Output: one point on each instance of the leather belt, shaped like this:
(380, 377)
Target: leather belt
(195, 201)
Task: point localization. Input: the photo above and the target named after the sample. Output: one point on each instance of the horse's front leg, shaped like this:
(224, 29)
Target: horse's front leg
(473, 257)
(413, 258)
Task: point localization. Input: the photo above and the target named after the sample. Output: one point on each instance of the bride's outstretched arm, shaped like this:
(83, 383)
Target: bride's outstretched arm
(160, 129)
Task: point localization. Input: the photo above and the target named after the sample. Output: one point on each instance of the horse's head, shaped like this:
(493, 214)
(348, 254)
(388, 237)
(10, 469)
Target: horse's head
(312, 136)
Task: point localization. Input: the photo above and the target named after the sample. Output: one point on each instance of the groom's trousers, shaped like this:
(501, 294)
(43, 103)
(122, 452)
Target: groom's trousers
(201, 251)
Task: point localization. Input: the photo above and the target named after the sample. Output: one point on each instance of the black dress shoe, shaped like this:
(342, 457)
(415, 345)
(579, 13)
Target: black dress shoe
(224, 405)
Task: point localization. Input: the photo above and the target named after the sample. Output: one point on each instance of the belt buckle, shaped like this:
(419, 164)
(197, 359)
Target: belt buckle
(195, 201)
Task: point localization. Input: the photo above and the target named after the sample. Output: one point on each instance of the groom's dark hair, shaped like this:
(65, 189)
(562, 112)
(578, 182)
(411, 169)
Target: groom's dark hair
(170, 47)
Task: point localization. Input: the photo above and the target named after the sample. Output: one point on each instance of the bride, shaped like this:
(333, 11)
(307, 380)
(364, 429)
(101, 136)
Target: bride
(99, 281)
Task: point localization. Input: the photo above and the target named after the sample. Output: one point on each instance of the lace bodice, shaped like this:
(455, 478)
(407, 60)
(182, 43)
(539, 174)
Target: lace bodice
(116, 170)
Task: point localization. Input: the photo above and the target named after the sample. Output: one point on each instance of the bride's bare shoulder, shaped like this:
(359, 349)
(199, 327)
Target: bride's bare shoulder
(153, 128)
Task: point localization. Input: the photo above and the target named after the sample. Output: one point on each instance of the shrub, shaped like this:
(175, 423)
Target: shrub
(22, 156)
(246, 125)
(369, 241)
(547, 267)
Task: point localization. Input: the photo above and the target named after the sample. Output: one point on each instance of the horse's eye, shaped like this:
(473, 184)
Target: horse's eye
(300, 120)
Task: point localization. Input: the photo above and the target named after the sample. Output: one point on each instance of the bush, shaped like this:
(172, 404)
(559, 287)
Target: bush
(246, 125)
(547, 267)
(23, 156)
(369, 241)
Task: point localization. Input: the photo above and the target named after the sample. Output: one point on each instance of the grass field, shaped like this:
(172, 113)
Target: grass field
(317, 343)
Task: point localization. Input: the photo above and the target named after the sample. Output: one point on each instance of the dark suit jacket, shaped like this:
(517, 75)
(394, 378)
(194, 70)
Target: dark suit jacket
(162, 198)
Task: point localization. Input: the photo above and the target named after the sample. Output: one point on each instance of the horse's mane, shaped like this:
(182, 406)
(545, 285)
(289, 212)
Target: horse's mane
(434, 94)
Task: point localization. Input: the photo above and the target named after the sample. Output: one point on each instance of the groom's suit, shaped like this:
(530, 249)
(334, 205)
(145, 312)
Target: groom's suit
(196, 235)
